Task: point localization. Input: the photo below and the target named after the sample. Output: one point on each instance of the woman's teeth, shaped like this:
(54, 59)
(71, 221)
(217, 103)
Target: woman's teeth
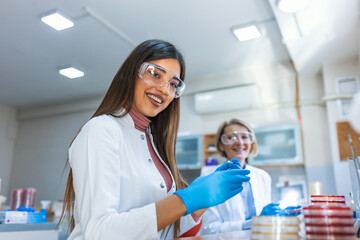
(239, 149)
(155, 98)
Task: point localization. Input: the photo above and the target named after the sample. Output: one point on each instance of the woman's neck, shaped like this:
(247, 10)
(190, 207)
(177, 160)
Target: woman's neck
(141, 122)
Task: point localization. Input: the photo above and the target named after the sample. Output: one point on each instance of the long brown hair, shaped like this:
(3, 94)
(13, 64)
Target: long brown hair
(120, 95)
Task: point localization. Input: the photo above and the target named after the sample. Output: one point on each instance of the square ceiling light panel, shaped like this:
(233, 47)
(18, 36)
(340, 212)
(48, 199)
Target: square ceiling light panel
(247, 33)
(57, 20)
(71, 72)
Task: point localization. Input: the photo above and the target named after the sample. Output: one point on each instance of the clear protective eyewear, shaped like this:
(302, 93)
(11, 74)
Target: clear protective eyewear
(236, 137)
(157, 76)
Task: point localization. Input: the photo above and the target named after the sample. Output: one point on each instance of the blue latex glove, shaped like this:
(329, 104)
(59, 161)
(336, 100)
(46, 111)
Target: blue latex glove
(291, 211)
(231, 164)
(213, 189)
(272, 209)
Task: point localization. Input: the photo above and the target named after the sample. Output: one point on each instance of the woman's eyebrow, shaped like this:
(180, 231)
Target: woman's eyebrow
(161, 68)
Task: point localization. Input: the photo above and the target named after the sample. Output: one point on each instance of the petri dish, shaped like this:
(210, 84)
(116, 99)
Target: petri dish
(330, 229)
(329, 203)
(317, 236)
(321, 211)
(275, 220)
(327, 198)
(275, 228)
(326, 220)
(260, 235)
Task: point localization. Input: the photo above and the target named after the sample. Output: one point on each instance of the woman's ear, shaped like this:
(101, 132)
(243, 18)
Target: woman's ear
(221, 147)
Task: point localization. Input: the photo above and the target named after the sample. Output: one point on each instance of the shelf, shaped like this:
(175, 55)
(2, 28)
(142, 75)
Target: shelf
(188, 169)
(210, 151)
(280, 165)
(208, 140)
(192, 152)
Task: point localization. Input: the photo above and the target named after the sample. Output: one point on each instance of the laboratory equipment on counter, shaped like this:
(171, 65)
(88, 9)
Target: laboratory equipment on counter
(291, 190)
(23, 198)
(275, 227)
(315, 188)
(354, 167)
(327, 200)
(329, 222)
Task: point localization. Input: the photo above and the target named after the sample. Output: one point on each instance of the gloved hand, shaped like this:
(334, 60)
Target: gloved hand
(213, 189)
(291, 211)
(272, 209)
(231, 164)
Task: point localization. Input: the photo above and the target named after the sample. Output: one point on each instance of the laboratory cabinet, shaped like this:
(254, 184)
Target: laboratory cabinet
(278, 145)
(188, 152)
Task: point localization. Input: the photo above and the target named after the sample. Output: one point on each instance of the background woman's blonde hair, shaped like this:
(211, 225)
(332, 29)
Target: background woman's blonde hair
(234, 121)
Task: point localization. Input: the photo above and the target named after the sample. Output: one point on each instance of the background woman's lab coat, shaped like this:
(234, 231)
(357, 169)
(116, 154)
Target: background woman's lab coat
(116, 183)
(230, 215)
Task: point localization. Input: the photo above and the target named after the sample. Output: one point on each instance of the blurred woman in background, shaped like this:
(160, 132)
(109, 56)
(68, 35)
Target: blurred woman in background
(236, 139)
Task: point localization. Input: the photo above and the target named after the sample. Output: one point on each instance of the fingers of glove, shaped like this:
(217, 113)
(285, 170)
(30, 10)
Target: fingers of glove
(234, 184)
(235, 179)
(235, 161)
(271, 209)
(292, 208)
(223, 167)
(268, 212)
(238, 172)
(273, 205)
(227, 165)
(235, 191)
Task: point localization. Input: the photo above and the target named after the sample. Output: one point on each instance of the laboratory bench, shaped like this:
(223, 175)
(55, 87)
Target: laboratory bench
(33, 231)
(239, 235)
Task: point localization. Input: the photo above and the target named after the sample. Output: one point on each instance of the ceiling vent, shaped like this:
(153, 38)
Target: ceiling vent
(228, 99)
(346, 86)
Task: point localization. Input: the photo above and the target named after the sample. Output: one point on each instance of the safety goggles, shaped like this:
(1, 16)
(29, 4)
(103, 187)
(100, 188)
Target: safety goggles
(237, 137)
(157, 76)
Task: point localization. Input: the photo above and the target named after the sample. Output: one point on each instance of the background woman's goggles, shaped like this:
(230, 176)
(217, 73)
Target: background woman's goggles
(235, 137)
(157, 76)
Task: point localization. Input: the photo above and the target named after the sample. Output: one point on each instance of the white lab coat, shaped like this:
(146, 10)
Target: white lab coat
(116, 183)
(230, 215)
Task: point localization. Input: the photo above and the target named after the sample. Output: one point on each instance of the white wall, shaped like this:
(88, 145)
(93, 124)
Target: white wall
(8, 131)
(43, 139)
(277, 85)
(316, 142)
(277, 90)
(331, 72)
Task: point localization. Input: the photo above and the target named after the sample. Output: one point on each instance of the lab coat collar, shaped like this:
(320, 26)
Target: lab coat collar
(127, 118)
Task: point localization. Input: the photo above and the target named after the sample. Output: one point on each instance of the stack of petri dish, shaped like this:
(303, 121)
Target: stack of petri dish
(275, 227)
(329, 222)
(327, 200)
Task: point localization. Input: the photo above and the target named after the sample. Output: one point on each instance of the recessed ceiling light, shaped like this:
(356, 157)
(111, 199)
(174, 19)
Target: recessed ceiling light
(247, 33)
(71, 72)
(57, 20)
(290, 6)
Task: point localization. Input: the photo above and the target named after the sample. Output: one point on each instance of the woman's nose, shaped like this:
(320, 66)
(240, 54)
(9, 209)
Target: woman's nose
(164, 88)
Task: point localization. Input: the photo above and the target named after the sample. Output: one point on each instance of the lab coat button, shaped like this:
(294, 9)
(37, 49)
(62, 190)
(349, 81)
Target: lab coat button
(149, 160)
(142, 137)
(162, 185)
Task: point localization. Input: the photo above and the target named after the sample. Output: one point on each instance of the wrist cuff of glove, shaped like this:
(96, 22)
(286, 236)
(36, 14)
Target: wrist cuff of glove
(183, 195)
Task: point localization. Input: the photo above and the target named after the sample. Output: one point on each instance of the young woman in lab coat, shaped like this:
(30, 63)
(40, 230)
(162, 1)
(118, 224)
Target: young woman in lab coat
(123, 181)
(236, 139)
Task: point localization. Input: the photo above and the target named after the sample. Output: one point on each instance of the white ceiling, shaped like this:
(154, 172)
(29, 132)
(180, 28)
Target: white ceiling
(31, 52)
